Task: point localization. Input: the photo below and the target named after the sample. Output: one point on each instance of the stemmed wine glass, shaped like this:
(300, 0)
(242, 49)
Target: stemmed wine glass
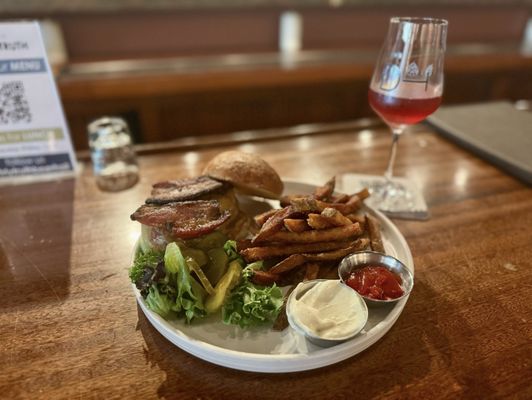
(406, 87)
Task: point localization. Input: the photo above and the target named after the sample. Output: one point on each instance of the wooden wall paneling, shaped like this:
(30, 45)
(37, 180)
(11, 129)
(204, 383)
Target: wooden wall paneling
(91, 36)
(149, 115)
(254, 108)
(475, 86)
(349, 27)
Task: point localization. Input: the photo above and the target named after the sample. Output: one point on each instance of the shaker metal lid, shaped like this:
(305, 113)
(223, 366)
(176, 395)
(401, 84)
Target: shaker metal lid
(107, 125)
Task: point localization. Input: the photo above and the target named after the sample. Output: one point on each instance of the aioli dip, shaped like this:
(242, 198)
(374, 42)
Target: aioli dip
(328, 310)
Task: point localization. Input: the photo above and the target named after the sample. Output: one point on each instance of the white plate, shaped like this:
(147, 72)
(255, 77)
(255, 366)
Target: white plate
(264, 350)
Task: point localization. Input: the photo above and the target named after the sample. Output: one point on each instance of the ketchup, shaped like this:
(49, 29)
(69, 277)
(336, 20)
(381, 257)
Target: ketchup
(376, 282)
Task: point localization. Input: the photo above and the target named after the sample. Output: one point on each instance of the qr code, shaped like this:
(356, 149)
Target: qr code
(14, 106)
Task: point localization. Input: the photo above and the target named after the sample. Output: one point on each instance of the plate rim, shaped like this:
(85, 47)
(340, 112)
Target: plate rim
(281, 363)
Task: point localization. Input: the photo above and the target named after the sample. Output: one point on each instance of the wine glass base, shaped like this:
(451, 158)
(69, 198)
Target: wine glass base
(399, 198)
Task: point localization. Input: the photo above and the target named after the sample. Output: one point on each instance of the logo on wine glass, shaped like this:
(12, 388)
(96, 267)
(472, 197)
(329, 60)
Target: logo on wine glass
(414, 75)
(391, 76)
(413, 70)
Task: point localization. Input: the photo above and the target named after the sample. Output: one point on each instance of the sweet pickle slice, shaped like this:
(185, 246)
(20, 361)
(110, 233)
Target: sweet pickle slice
(228, 281)
(194, 266)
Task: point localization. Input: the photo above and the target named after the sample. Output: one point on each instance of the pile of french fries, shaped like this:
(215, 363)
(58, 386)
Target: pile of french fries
(309, 235)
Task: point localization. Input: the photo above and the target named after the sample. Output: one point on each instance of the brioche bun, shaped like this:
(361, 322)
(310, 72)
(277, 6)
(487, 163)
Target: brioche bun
(248, 173)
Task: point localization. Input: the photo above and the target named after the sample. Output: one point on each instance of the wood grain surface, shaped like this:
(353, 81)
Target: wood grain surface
(70, 327)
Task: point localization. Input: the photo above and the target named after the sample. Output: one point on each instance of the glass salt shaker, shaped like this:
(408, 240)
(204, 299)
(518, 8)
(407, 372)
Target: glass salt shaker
(113, 157)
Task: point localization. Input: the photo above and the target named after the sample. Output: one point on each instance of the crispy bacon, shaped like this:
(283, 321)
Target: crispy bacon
(184, 189)
(185, 220)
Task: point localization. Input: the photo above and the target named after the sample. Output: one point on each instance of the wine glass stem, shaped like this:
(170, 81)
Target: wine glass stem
(388, 174)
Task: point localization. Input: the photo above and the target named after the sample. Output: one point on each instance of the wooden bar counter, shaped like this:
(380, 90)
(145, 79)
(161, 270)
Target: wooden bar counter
(70, 327)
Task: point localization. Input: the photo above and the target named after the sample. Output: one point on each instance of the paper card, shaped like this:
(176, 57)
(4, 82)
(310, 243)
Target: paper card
(34, 138)
(410, 205)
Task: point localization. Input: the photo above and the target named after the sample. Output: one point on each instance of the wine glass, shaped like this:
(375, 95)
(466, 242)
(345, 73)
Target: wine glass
(406, 87)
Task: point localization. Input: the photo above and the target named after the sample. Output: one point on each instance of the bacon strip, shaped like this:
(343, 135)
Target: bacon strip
(184, 189)
(185, 220)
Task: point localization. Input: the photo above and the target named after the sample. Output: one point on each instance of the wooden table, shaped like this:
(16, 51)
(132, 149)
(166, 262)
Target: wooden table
(70, 328)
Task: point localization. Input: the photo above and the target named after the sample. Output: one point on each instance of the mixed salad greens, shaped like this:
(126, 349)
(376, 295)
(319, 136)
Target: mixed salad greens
(201, 278)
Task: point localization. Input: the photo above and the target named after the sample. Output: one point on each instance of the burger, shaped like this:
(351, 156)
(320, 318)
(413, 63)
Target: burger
(203, 211)
(187, 227)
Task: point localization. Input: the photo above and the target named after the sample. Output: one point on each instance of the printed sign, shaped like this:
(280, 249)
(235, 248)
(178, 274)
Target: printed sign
(34, 138)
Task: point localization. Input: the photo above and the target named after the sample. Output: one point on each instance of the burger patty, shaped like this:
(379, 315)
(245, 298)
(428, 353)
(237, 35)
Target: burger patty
(185, 189)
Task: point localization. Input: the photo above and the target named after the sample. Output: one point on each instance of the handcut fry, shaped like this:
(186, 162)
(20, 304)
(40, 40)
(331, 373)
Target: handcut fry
(374, 232)
(262, 218)
(292, 277)
(295, 260)
(363, 194)
(296, 225)
(344, 208)
(353, 204)
(243, 244)
(328, 270)
(335, 217)
(274, 223)
(310, 234)
(318, 221)
(264, 278)
(360, 244)
(361, 219)
(341, 198)
(325, 191)
(286, 200)
(328, 218)
(312, 270)
(314, 236)
(306, 204)
(251, 254)
(287, 264)
(281, 322)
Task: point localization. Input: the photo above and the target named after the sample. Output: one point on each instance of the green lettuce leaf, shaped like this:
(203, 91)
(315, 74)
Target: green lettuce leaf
(142, 261)
(250, 304)
(162, 304)
(232, 252)
(190, 294)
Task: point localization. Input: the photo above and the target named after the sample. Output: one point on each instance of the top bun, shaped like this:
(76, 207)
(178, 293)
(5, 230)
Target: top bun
(249, 173)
